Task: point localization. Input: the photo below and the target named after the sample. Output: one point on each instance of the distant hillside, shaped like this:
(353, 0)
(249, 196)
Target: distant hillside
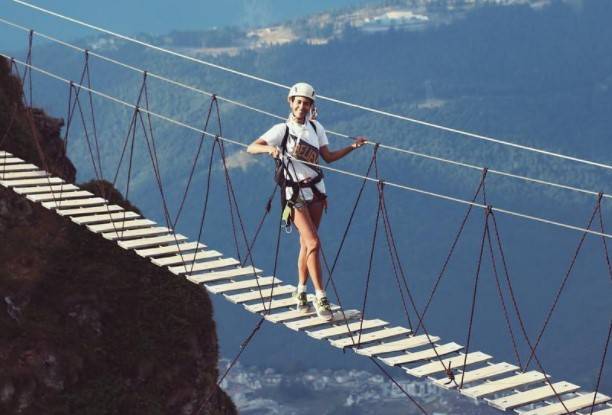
(321, 28)
(538, 76)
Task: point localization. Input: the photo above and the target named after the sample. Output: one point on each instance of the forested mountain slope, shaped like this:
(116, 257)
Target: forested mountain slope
(535, 76)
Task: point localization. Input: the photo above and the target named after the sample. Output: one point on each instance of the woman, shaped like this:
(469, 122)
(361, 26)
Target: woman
(304, 140)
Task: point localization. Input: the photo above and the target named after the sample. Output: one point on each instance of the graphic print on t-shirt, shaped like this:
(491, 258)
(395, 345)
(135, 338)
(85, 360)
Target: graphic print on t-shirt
(305, 152)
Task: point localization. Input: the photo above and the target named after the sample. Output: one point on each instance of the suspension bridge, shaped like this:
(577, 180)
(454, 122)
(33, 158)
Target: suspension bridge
(500, 384)
(506, 386)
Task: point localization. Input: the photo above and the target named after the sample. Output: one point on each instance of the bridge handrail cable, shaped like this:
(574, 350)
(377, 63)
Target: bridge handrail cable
(340, 171)
(323, 97)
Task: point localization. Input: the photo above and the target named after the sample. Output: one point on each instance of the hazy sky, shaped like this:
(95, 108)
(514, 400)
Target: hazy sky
(150, 16)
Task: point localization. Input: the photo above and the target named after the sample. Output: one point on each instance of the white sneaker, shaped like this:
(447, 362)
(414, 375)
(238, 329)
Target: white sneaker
(301, 302)
(322, 308)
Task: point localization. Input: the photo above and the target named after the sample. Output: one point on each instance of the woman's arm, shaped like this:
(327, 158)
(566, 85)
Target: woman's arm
(261, 146)
(330, 156)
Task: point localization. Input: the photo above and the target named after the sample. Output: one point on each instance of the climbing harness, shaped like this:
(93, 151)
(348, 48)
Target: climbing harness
(283, 179)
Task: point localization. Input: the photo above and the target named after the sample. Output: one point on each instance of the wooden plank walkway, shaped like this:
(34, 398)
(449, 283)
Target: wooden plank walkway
(499, 384)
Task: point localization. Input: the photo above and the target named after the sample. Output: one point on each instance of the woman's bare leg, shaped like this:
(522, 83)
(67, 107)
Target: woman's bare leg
(302, 265)
(307, 221)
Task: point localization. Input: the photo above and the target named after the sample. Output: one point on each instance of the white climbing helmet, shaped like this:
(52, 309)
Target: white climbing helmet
(302, 89)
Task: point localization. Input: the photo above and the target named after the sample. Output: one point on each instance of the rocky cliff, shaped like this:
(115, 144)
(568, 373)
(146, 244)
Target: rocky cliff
(86, 327)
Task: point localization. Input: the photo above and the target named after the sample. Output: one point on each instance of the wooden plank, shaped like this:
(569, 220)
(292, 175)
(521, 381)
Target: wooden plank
(371, 337)
(572, 404)
(91, 219)
(171, 247)
(242, 285)
(221, 275)
(136, 233)
(455, 362)
(5, 154)
(317, 321)
(428, 353)
(276, 304)
(92, 201)
(185, 258)
(398, 345)
(478, 374)
(500, 385)
(10, 160)
(45, 197)
(289, 315)
(342, 329)
(607, 411)
(46, 189)
(257, 295)
(23, 175)
(89, 210)
(149, 242)
(5, 168)
(532, 395)
(204, 266)
(120, 224)
(31, 182)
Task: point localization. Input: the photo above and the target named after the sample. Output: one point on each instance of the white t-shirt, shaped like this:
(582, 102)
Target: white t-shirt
(303, 143)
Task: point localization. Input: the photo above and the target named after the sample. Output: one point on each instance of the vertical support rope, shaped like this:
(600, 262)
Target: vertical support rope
(153, 155)
(130, 164)
(69, 115)
(498, 284)
(329, 270)
(603, 239)
(206, 195)
(233, 201)
(152, 149)
(567, 275)
(131, 126)
(231, 196)
(93, 118)
(519, 316)
(395, 260)
(96, 167)
(474, 293)
(28, 106)
(73, 104)
(501, 299)
(370, 261)
(352, 215)
(603, 358)
(601, 367)
(452, 249)
(392, 248)
(193, 166)
(29, 71)
(407, 288)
